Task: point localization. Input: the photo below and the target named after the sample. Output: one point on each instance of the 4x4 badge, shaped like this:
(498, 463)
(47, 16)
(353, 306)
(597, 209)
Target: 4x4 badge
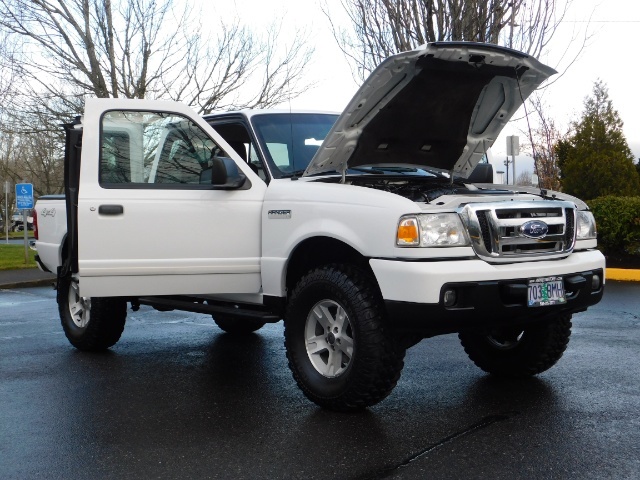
(534, 229)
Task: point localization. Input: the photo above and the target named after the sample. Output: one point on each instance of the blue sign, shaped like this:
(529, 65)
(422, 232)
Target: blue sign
(24, 196)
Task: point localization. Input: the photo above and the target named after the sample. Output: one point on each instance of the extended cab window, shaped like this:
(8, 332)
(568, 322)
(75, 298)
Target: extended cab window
(139, 148)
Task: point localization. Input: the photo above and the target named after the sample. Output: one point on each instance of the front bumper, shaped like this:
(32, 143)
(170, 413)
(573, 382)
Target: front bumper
(487, 295)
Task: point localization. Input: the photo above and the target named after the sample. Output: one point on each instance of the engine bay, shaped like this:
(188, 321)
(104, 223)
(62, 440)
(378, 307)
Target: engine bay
(419, 188)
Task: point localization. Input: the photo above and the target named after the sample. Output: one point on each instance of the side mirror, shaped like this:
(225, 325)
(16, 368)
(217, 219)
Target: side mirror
(223, 174)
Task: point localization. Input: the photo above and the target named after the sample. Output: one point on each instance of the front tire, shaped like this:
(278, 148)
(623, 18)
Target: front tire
(340, 350)
(90, 324)
(519, 351)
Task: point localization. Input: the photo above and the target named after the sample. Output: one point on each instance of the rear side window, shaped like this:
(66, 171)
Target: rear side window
(139, 148)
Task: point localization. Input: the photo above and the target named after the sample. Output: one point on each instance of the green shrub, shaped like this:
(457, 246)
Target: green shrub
(618, 220)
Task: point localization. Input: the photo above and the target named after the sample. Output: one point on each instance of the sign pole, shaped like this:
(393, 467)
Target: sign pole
(6, 210)
(24, 202)
(25, 223)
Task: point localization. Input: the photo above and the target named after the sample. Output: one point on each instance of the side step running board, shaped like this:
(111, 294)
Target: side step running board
(195, 305)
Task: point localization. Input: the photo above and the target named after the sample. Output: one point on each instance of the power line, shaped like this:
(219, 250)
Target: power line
(600, 21)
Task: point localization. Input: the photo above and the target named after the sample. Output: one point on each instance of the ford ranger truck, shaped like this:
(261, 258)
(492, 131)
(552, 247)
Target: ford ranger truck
(365, 231)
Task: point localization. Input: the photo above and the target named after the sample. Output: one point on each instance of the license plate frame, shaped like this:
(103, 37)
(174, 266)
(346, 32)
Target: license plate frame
(545, 291)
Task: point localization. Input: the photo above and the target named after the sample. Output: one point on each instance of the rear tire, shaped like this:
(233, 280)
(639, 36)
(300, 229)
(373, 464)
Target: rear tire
(519, 352)
(238, 326)
(90, 324)
(340, 350)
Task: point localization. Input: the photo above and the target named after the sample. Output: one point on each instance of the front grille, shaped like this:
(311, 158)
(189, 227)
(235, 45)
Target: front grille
(484, 229)
(570, 232)
(520, 231)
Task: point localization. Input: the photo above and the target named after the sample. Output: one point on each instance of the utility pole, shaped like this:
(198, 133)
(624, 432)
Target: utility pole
(507, 162)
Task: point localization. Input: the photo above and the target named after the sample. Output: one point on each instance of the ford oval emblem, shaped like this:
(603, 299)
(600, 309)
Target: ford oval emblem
(534, 229)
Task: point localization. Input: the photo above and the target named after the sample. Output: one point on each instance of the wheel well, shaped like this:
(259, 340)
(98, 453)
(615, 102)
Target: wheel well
(318, 251)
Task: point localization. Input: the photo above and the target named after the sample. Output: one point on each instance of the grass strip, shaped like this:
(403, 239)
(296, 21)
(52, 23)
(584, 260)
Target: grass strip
(12, 257)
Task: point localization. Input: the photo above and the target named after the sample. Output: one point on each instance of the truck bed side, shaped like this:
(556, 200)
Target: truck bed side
(52, 230)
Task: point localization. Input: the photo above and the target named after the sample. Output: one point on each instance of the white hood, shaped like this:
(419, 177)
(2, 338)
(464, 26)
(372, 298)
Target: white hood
(440, 106)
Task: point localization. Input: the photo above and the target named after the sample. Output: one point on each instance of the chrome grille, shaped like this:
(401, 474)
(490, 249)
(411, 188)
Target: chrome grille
(520, 231)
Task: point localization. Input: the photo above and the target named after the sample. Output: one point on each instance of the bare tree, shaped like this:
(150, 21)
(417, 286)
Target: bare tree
(239, 70)
(383, 27)
(524, 178)
(543, 140)
(64, 51)
(35, 158)
(148, 48)
(7, 69)
(31, 148)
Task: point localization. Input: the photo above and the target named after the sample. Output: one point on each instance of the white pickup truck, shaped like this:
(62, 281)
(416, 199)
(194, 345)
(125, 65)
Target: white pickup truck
(359, 230)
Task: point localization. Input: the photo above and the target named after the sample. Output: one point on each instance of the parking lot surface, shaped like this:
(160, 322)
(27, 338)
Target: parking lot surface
(178, 398)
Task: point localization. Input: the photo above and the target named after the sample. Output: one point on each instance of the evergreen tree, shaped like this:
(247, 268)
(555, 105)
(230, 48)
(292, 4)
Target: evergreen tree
(595, 158)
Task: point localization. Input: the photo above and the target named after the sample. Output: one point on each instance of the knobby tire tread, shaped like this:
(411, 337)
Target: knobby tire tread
(106, 322)
(379, 358)
(545, 346)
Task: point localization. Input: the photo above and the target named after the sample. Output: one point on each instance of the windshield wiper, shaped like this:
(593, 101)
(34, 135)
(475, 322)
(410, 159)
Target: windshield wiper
(377, 171)
(390, 169)
(370, 170)
(295, 173)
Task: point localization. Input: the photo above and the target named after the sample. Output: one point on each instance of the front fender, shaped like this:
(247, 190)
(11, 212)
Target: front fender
(294, 211)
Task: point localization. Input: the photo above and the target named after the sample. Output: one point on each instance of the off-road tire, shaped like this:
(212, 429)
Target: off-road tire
(238, 326)
(539, 347)
(376, 360)
(103, 326)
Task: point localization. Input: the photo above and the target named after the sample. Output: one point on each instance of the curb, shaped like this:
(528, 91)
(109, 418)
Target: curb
(45, 282)
(623, 274)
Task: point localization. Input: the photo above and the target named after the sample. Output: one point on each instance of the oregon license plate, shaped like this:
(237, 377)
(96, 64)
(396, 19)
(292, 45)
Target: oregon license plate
(546, 291)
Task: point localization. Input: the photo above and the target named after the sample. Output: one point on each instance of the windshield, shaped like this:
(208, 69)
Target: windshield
(290, 140)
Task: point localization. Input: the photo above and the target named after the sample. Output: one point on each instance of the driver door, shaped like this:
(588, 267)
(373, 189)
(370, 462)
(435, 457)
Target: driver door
(149, 220)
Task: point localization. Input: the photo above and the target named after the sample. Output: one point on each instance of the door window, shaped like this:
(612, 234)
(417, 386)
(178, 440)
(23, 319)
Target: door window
(154, 149)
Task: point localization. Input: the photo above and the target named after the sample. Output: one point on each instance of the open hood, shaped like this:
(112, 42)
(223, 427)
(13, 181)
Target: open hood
(440, 106)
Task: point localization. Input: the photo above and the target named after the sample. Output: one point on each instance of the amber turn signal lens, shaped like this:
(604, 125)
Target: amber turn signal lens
(408, 232)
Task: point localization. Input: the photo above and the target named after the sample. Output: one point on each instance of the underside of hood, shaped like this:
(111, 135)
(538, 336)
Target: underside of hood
(440, 106)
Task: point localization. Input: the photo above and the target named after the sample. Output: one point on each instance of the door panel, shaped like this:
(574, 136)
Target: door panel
(147, 224)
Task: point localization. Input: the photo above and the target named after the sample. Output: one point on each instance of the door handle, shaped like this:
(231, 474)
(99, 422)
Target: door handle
(110, 209)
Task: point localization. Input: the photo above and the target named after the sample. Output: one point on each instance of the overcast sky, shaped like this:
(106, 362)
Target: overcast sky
(610, 56)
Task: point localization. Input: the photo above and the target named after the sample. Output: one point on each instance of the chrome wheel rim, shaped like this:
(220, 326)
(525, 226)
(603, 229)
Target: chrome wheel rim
(329, 338)
(79, 307)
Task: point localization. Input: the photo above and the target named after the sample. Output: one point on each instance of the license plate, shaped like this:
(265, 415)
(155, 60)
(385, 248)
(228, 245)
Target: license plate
(546, 291)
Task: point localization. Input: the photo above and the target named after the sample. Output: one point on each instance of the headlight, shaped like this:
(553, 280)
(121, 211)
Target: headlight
(431, 230)
(586, 228)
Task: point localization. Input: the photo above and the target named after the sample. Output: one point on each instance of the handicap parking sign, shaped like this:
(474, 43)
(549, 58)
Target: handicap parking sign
(24, 196)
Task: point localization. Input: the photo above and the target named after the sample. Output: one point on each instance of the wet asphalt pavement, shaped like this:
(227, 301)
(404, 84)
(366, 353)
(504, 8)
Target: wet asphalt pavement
(177, 398)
